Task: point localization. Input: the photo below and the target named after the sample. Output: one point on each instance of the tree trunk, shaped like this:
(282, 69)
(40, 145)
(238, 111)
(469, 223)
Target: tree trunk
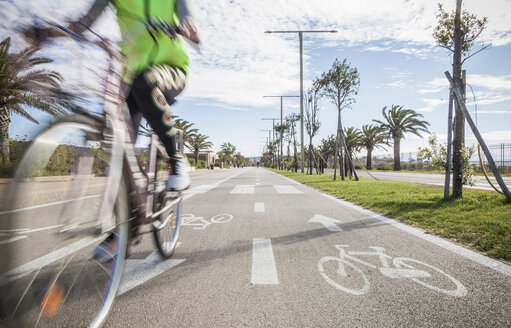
(341, 147)
(4, 136)
(397, 155)
(459, 119)
(336, 148)
(310, 155)
(368, 159)
(197, 159)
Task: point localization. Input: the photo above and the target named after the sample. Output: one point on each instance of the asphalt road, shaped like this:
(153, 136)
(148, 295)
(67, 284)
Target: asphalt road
(270, 267)
(427, 178)
(259, 250)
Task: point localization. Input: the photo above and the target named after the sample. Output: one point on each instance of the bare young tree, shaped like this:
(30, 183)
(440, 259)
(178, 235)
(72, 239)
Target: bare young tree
(312, 124)
(291, 120)
(340, 83)
(457, 32)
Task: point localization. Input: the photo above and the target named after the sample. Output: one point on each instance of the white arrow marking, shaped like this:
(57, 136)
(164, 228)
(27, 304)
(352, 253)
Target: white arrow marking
(329, 223)
(137, 272)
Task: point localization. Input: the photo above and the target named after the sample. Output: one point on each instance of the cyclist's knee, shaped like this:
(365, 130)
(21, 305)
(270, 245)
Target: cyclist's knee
(170, 80)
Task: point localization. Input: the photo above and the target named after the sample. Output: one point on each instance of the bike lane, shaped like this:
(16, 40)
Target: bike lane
(303, 287)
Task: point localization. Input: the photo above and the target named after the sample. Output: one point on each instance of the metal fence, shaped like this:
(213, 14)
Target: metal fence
(501, 154)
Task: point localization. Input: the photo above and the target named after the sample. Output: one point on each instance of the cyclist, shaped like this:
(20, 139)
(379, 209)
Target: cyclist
(156, 64)
(153, 75)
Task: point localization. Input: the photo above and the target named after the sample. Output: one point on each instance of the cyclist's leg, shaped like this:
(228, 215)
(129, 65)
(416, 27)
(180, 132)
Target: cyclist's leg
(152, 93)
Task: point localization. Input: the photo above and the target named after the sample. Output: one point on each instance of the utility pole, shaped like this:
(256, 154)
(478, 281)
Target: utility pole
(269, 142)
(300, 36)
(281, 123)
(274, 139)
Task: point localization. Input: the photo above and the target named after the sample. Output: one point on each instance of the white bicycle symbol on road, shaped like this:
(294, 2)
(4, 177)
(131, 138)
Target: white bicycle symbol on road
(403, 268)
(201, 223)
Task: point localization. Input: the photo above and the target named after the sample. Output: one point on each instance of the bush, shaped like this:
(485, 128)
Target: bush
(6, 170)
(191, 161)
(202, 164)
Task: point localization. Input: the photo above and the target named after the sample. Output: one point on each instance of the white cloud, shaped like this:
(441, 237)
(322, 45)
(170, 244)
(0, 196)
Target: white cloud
(396, 84)
(431, 104)
(376, 49)
(239, 63)
(494, 112)
(436, 85)
(502, 82)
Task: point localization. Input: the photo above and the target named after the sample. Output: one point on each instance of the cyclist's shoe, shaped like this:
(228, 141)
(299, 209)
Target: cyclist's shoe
(179, 178)
(107, 250)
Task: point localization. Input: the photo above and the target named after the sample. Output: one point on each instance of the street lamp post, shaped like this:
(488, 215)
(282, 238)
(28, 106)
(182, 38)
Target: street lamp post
(300, 35)
(269, 138)
(273, 127)
(281, 118)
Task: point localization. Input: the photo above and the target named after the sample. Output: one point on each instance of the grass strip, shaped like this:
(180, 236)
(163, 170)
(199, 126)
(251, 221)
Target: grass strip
(481, 219)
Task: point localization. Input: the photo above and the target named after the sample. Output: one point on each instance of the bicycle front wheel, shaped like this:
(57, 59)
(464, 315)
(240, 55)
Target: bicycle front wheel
(52, 277)
(168, 224)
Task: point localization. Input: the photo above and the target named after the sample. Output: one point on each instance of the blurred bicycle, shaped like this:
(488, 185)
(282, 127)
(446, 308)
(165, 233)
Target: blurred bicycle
(54, 277)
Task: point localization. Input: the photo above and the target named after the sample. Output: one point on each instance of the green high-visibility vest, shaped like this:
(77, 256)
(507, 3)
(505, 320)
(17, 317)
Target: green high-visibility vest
(137, 43)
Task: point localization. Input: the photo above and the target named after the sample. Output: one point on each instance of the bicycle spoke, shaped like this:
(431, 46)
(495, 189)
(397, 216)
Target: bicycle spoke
(52, 284)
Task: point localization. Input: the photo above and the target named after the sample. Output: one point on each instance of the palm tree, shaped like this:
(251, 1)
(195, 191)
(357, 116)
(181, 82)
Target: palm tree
(372, 136)
(398, 122)
(24, 86)
(353, 144)
(186, 127)
(198, 142)
(326, 149)
(352, 137)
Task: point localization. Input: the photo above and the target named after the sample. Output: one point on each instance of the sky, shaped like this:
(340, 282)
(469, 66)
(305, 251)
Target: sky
(389, 42)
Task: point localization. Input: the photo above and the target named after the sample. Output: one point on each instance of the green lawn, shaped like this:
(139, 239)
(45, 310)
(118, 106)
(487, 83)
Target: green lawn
(481, 220)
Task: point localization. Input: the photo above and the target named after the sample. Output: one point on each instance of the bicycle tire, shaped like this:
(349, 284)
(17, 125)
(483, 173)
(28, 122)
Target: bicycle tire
(51, 278)
(221, 218)
(459, 291)
(353, 291)
(168, 224)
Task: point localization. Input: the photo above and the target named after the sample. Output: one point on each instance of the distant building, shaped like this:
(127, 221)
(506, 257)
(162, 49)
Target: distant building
(208, 156)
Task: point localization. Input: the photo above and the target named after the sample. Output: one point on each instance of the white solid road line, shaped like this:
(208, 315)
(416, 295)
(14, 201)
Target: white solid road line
(48, 204)
(11, 240)
(264, 269)
(137, 272)
(34, 265)
(258, 207)
(243, 189)
(285, 189)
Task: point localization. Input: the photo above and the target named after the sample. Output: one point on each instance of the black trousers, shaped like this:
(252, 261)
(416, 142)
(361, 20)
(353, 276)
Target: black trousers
(151, 95)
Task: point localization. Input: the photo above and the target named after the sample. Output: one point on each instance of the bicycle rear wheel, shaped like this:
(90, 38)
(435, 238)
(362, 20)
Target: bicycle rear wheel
(168, 224)
(51, 278)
